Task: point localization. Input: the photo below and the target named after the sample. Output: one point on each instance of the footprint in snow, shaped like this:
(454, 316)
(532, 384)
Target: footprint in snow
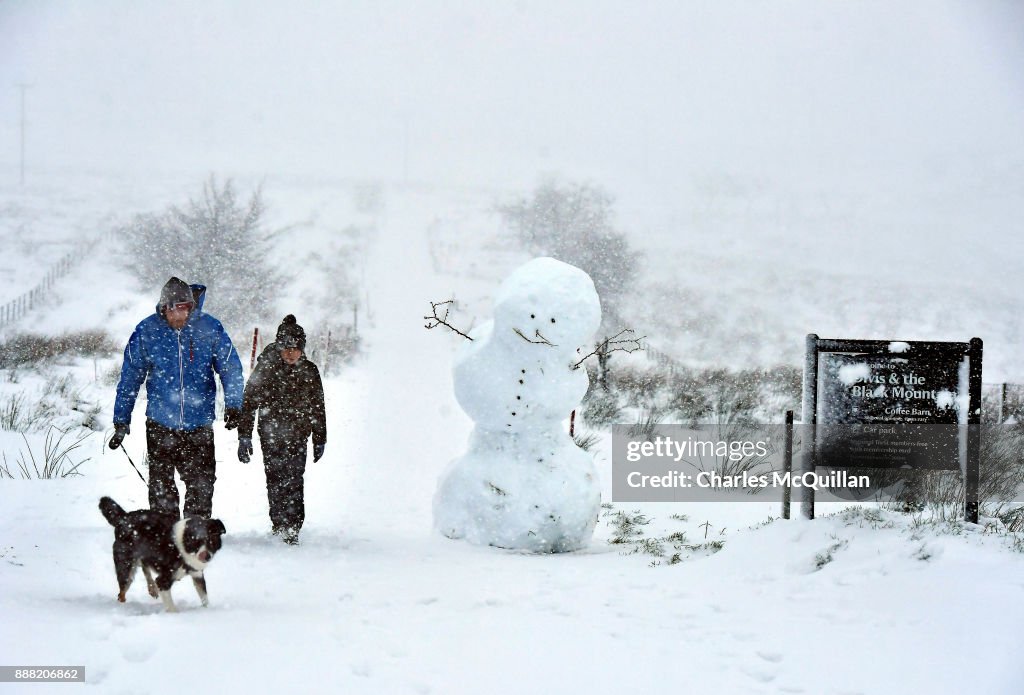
(758, 673)
(137, 652)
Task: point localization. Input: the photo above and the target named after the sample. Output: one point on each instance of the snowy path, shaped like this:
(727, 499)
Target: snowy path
(391, 414)
(374, 602)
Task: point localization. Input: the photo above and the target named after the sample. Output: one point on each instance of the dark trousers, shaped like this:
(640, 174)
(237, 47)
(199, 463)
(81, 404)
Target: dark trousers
(285, 488)
(191, 453)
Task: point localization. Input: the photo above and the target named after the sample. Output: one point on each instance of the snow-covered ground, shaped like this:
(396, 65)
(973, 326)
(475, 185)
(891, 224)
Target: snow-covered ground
(373, 601)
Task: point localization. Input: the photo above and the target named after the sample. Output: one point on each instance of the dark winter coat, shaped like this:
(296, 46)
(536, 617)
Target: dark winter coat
(290, 403)
(178, 369)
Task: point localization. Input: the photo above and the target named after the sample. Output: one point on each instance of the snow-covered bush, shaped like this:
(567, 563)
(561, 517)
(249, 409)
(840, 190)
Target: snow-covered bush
(39, 387)
(692, 396)
(601, 409)
(29, 348)
(1000, 484)
(213, 240)
(574, 222)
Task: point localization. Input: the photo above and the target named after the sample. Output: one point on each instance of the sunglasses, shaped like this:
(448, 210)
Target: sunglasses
(181, 306)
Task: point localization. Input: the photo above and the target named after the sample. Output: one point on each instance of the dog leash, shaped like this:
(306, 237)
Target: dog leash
(121, 447)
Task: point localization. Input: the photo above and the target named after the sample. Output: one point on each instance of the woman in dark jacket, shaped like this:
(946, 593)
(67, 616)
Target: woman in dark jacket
(286, 390)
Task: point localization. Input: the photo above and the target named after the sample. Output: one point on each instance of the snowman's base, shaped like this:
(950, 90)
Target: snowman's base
(535, 492)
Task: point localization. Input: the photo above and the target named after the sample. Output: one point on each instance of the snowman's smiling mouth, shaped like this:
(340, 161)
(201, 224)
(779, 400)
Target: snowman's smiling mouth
(542, 340)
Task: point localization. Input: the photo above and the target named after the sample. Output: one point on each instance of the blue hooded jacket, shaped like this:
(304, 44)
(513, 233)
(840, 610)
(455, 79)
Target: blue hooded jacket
(177, 368)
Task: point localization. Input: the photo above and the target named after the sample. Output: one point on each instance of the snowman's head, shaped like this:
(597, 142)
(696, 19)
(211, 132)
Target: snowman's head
(548, 303)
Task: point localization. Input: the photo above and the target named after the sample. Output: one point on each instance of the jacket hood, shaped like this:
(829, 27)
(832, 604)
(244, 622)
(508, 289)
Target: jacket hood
(199, 292)
(198, 296)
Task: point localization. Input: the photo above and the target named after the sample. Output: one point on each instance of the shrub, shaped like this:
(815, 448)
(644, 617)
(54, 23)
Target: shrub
(29, 348)
(646, 426)
(574, 223)
(600, 408)
(213, 240)
(943, 492)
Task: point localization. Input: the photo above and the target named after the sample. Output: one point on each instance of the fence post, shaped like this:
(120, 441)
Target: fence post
(255, 338)
(973, 472)
(1002, 403)
(809, 420)
(327, 351)
(787, 461)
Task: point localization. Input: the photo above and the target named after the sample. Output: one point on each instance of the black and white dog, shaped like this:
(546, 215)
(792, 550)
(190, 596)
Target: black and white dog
(162, 545)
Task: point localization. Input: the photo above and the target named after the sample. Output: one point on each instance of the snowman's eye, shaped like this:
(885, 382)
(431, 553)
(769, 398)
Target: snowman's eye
(552, 320)
(532, 316)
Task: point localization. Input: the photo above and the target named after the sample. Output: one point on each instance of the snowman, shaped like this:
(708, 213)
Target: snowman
(523, 483)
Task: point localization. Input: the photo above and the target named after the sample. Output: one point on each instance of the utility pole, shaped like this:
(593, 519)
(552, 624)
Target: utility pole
(405, 149)
(23, 87)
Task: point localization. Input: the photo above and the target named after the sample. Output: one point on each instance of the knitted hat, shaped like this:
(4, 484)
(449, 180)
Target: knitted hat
(290, 334)
(176, 291)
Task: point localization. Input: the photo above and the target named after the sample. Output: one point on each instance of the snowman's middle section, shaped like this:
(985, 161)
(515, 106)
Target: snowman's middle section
(523, 483)
(506, 387)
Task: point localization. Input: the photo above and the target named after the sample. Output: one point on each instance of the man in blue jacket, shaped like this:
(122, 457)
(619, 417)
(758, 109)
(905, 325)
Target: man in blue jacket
(176, 352)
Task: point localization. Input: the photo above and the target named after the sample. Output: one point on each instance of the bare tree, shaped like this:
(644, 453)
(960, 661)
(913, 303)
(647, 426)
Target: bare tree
(214, 240)
(575, 224)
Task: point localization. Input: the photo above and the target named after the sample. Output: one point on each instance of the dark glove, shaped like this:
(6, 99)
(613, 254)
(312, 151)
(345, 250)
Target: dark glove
(244, 449)
(232, 418)
(318, 451)
(120, 430)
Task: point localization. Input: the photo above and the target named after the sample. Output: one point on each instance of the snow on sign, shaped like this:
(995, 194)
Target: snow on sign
(877, 404)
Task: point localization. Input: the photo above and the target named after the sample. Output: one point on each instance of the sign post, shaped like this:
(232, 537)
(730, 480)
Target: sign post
(893, 405)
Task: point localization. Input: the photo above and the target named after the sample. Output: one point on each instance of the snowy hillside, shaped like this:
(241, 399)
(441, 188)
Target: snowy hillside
(741, 266)
(854, 170)
(373, 601)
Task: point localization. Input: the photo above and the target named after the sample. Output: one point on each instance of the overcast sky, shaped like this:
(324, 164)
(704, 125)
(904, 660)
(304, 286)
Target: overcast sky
(496, 92)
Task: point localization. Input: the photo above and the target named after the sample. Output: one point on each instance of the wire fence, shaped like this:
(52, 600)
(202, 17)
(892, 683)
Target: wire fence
(662, 359)
(17, 308)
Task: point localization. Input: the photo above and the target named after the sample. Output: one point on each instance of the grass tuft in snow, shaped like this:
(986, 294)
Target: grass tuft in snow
(823, 558)
(586, 441)
(58, 400)
(628, 531)
(54, 461)
(646, 425)
(921, 526)
(1013, 519)
(627, 526)
(13, 411)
